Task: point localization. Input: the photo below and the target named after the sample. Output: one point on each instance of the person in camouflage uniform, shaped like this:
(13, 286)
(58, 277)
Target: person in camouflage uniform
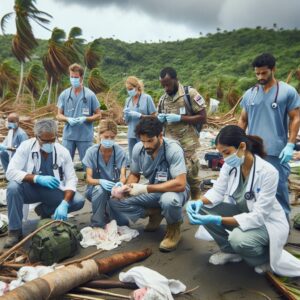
(179, 125)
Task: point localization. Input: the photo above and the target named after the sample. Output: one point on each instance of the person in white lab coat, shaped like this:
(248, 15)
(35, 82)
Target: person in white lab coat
(241, 212)
(40, 171)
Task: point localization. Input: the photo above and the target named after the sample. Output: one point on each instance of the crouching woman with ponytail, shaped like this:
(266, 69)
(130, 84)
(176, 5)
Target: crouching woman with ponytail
(241, 211)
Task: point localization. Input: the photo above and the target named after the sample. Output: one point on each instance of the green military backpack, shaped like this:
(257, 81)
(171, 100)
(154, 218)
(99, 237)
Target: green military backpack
(54, 243)
(297, 221)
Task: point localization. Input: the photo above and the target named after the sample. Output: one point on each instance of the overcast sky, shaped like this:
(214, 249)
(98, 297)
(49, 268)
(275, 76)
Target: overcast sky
(154, 20)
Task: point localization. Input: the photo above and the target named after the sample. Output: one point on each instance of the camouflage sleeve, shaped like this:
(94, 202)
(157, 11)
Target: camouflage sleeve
(198, 102)
(159, 108)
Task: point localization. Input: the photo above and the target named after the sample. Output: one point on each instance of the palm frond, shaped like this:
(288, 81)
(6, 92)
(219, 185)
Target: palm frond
(4, 20)
(96, 83)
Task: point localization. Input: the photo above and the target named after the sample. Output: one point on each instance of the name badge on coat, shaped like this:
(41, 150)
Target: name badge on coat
(85, 111)
(162, 176)
(182, 111)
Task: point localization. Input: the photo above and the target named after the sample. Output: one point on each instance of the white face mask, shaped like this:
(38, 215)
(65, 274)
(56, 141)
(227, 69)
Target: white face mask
(106, 143)
(132, 92)
(234, 160)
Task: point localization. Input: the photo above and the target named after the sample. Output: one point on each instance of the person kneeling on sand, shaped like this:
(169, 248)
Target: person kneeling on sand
(250, 224)
(161, 161)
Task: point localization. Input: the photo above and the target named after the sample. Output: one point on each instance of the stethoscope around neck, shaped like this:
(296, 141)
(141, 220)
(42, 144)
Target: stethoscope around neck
(116, 173)
(250, 194)
(35, 156)
(137, 104)
(274, 104)
(84, 100)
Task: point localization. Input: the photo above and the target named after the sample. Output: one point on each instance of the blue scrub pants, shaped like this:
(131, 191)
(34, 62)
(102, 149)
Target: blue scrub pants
(81, 146)
(133, 208)
(20, 193)
(99, 198)
(4, 159)
(131, 143)
(282, 193)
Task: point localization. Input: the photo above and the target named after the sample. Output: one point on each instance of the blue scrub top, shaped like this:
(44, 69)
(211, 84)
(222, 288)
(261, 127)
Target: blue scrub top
(19, 136)
(106, 170)
(271, 124)
(84, 104)
(169, 159)
(145, 106)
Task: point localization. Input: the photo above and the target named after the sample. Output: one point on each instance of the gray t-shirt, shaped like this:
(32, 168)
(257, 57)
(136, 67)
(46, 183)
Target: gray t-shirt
(168, 164)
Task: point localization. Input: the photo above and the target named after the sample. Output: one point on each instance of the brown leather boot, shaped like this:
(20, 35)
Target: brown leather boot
(155, 219)
(172, 238)
(14, 237)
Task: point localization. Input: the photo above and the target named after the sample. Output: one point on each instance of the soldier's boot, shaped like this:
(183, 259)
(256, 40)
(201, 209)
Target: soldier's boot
(172, 238)
(14, 237)
(155, 219)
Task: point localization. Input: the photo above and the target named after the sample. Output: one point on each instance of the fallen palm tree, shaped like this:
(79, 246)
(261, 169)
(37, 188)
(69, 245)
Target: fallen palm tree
(67, 278)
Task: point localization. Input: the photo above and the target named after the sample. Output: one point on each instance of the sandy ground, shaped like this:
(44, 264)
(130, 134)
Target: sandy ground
(189, 263)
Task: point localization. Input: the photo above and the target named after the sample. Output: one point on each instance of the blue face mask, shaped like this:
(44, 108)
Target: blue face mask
(234, 161)
(107, 143)
(132, 92)
(11, 125)
(48, 147)
(75, 82)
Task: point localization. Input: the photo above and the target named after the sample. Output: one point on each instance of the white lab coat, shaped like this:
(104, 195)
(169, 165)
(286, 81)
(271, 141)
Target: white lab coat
(263, 210)
(24, 162)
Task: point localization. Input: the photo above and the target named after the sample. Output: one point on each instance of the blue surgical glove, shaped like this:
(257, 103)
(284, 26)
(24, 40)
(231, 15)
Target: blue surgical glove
(161, 118)
(134, 114)
(106, 184)
(50, 182)
(80, 120)
(198, 219)
(287, 153)
(173, 118)
(118, 184)
(2, 147)
(61, 212)
(194, 206)
(72, 121)
(126, 110)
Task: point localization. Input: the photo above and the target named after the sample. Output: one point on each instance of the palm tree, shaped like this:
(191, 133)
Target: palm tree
(56, 60)
(96, 83)
(8, 78)
(24, 41)
(32, 79)
(91, 56)
(74, 45)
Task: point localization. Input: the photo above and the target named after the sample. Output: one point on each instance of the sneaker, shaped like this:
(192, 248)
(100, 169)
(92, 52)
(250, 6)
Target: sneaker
(221, 258)
(261, 269)
(14, 237)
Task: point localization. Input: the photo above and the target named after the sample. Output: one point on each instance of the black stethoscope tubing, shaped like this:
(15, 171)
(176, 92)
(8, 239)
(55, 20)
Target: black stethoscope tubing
(274, 104)
(83, 98)
(55, 165)
(115, 169)
(250, 194)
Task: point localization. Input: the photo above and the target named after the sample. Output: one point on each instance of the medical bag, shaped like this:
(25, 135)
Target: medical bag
(215, 160)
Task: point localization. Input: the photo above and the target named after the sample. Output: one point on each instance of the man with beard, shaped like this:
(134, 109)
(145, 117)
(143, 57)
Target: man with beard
(179, 124)
(271, 111)
(161, 161)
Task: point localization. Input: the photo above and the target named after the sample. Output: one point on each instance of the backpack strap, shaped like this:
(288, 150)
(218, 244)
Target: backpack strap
(187, 101)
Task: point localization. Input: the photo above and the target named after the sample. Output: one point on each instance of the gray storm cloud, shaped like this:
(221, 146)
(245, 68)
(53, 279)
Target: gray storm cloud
(207, 15)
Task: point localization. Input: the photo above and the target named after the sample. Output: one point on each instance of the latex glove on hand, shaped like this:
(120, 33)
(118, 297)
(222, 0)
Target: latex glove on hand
(138, 189)
(134, 114)
(198, 219)
(106, 184)
(50, 182)
(72, 121)
(162, 118)
(287, 153)
(173, 118)
(80, 120)
(61, 212)
(2, 147)
(193, 206)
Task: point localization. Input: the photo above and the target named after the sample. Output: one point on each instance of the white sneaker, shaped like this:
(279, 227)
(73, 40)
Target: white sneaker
(221, 258)
(263, 268)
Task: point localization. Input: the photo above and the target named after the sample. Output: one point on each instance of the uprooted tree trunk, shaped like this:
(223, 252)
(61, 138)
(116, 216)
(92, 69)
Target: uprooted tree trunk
(67, 278)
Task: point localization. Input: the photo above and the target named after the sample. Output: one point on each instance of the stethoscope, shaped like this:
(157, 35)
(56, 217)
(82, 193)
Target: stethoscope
(274, 104)
(137, 104)
(116, 172)
(250, 194)
(83, 99)
(152, 179)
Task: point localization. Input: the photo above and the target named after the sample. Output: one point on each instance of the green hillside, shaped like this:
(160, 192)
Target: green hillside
(202, 62)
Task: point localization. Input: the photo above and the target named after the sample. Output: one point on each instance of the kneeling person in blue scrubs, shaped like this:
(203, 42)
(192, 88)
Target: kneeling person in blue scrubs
(161, 161)
(40, 171)
(105, 168)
